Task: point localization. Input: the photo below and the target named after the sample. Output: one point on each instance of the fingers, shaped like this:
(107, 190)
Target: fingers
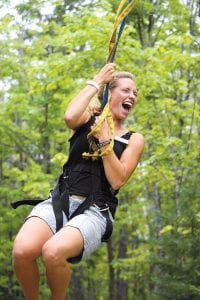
(104, 130)
(106, 74)
(110, 68)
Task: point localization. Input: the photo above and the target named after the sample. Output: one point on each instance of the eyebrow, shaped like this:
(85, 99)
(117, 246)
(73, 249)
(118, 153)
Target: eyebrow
(134, 91)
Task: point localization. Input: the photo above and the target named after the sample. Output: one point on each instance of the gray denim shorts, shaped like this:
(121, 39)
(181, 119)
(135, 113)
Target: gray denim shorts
(91, 223)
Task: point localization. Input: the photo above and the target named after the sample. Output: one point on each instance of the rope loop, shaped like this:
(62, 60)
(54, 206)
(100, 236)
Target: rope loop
(95, 153)
(121, 17)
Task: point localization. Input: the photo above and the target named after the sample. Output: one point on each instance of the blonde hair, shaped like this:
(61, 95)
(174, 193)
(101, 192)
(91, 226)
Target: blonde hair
(118, 75)
(94, 106)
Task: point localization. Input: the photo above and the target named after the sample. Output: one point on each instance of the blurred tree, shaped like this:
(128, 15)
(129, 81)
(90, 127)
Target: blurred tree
(47, 53)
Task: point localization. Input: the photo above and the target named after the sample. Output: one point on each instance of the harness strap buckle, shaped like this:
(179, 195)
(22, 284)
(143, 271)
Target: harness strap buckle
(103, 209)
(106, 208)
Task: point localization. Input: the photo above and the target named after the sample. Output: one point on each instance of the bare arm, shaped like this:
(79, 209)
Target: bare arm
(118, 171)
(76, 113)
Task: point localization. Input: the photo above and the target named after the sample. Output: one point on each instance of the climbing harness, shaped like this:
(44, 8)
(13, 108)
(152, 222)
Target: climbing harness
(121, 18)
(96, 190)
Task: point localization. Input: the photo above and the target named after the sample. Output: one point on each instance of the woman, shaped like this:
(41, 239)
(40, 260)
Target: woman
(78, 216)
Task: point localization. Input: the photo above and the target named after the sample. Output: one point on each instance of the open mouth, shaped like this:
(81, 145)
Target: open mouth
(127, 106)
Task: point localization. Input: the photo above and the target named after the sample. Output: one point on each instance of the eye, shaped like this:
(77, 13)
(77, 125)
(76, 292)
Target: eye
(126, 90)
(135, 93)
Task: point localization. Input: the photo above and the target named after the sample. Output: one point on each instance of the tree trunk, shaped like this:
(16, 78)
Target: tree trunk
(112, 279)
(122, 285)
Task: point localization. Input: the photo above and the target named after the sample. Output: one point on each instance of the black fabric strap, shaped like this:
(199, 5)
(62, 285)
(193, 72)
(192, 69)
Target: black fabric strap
(109, 226)
(26, 201)
(104, 208)
(57, 207)
(82, 207)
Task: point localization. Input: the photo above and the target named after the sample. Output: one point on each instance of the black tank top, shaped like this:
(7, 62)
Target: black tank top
(87, 176)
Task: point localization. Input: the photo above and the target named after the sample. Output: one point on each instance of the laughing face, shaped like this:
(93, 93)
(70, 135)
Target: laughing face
(123, 98)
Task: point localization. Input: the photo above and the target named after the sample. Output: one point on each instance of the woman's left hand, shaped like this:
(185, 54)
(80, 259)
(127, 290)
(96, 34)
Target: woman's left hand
(104, 134)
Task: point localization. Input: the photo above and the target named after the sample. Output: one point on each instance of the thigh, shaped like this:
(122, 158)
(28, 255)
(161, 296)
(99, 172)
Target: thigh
(33, 235)
(67, 242)
(92, 226)
(79, 237)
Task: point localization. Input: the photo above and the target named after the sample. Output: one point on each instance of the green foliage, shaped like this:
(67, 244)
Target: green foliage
(47, 55)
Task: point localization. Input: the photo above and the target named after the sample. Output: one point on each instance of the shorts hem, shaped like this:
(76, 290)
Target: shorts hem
(32, 216)
(76, 259)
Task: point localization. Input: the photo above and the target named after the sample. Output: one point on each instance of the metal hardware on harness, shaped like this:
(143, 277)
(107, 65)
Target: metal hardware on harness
(101, 209)
(104, 209)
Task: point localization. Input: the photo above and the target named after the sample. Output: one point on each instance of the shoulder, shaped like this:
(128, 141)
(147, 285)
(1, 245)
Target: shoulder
(137, 136)
(75, 123)
(137, 141)
(84, 128)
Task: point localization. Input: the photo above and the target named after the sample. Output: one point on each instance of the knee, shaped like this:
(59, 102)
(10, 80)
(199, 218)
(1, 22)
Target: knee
(22, 251)
(52, 256)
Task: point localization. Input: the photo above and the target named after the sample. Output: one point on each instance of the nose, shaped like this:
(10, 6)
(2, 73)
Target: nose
(133, 95)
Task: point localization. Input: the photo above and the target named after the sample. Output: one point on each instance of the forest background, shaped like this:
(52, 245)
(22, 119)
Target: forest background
(48, 51)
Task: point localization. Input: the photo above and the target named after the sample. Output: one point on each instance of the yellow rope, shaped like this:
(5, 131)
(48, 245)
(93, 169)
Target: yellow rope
(106, 114)
(118, 20)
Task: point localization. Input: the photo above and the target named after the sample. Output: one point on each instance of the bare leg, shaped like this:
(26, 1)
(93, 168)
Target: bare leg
(68, 242)
(27, 247)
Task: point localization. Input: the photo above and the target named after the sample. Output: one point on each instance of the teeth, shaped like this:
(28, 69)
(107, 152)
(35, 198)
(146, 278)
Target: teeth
(127, 105)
